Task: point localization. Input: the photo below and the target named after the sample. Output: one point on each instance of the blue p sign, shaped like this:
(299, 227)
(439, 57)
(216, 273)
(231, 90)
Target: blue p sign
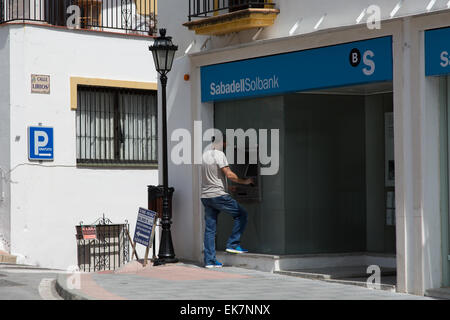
(40, 143)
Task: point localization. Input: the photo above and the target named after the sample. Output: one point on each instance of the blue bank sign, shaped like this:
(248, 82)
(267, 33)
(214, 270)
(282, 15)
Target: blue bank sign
(340, 65)
(437, 52)
(40, 143)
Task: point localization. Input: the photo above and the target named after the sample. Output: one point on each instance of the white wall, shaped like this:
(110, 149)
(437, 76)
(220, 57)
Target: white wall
(431, 233)
(338, 13)
(305, 14)
(49, 199)
(186, 227)
(4, 141)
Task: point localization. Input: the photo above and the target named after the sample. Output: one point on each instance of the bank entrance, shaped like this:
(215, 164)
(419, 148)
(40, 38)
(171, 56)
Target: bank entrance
(330, 206)
(334, 192)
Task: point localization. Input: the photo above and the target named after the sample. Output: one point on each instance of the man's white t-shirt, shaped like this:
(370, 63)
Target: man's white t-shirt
(213, 179)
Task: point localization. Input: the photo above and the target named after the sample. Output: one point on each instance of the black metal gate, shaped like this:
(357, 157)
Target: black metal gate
(102, 245)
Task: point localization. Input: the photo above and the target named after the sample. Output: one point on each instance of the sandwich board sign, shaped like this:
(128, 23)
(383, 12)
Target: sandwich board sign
(145, 230)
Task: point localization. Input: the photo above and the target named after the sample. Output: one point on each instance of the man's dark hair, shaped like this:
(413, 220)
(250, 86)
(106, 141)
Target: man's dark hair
(224, 139)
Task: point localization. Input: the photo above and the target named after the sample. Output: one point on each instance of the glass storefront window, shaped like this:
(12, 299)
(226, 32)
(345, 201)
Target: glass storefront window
(335, 188)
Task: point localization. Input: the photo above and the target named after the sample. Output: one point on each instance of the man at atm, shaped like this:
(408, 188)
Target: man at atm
(215, 199)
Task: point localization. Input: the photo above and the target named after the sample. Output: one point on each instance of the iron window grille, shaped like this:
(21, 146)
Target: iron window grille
(116, 126)
(130, 16)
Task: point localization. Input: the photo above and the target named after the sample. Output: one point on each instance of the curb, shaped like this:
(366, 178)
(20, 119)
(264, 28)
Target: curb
(65, 292)
(327, 278)
(441, 293)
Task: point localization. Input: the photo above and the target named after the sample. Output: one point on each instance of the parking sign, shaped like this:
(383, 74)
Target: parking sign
(40, 143)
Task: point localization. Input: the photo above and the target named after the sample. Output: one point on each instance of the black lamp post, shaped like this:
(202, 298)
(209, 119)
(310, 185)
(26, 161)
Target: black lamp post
(163, 51)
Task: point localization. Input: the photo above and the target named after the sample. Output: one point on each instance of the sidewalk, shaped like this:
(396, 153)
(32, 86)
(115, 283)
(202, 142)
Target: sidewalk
(183, 281)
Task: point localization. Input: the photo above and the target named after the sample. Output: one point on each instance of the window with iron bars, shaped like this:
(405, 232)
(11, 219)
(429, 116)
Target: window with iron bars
(91, 13)
(116, 126)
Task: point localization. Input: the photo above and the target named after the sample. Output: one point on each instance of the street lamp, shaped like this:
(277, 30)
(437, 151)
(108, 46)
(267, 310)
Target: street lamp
(163, 51)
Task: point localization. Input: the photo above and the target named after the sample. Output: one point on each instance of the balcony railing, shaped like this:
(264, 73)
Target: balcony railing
(126, 16)
(210, 8)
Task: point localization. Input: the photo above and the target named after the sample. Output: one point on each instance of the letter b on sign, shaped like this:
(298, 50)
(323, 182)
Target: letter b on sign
(40, 143)
(355, 57)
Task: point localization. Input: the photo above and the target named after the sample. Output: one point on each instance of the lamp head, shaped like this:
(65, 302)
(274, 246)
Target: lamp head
(163, 51)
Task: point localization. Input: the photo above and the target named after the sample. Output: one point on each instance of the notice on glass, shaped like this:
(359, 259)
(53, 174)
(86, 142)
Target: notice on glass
(389, 149)
(390, 200)
(390, 217)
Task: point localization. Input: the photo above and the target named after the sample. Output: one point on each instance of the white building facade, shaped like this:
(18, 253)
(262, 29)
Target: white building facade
(361, 105)
(97, 88)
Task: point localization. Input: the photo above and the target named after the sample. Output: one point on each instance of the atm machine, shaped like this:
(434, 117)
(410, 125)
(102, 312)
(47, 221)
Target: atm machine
(246, 193)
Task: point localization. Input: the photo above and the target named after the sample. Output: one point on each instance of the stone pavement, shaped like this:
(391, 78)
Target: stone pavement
(23, 282)
(190, 282)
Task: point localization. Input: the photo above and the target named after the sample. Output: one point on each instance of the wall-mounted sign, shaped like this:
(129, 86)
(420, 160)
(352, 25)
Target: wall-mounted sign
(333, 66)
(89, 232)
(40, 143)
(40, 83)
(437, 52)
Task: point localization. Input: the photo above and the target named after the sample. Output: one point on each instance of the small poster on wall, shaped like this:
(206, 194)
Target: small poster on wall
(390, 217)
(390, 208)
(89, 232)
(389, 149)
(40, 83)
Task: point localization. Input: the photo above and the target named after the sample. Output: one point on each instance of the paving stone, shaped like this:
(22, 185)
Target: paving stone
(187, 282)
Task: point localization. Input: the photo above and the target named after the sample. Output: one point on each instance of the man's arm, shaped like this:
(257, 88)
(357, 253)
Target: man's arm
(233, 177)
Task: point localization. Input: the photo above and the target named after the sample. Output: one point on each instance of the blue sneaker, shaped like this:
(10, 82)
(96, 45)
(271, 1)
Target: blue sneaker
(238, 249)
(216, 264)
